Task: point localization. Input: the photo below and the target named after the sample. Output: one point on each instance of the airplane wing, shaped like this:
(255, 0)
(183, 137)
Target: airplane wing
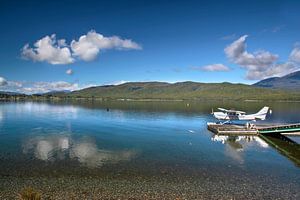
(231, 111)
(223, 109)
(241, 112)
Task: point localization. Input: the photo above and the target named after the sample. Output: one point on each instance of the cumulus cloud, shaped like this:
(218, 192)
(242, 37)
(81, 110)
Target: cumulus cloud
(88, 46)
(295, 55)
(12, 86)
(260, 64)
(3, 81)
(118, 82)
(41, 87)
(48, 49)
(213, 68)
(238, 54)
(276, 70)
(69, 72)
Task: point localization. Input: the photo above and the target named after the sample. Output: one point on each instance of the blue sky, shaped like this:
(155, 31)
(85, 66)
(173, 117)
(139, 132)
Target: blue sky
(203, 41)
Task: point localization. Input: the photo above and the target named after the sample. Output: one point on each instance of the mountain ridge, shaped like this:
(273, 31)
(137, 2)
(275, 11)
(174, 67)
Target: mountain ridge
(181, 91)
(290, 81)
(187, 90)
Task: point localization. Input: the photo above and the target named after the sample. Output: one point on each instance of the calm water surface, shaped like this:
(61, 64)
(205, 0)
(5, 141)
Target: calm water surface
(142, 150)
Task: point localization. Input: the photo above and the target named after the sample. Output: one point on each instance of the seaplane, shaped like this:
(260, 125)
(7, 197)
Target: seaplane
(235, 115)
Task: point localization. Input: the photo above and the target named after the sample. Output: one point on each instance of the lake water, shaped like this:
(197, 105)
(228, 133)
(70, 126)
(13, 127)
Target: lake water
(142, 150)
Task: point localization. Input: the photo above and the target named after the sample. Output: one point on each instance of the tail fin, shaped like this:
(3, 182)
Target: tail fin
(262, 113)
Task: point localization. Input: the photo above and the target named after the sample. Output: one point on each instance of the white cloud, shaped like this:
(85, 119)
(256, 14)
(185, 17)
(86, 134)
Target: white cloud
(3, 81)
(15, 83)
(41, 87)
(213, 68)
(50, 50)
(88, 46)
(116, 82)
(295, 54)
(260, 64)
(238, 54)
(69, 72)
(62, 42)
(276, 70)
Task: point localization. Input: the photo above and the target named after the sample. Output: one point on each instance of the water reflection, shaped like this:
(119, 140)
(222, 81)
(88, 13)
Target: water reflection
(63, 146)
(285, 146)
(240, 142)
(60, 111)
(1, 115)
(235, 145)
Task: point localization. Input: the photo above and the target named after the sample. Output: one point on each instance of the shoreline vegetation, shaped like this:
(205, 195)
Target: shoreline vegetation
(88, 99)
(160, 91)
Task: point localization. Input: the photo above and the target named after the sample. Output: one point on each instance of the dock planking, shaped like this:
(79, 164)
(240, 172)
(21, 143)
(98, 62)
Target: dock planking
(285, 129)
(231, 129)
(234, 129)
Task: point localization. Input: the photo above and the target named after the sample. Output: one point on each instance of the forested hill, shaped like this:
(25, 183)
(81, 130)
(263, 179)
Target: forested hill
(182, 90)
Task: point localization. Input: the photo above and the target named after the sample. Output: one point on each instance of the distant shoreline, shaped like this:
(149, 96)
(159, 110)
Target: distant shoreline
(160, 91)
(69, 99)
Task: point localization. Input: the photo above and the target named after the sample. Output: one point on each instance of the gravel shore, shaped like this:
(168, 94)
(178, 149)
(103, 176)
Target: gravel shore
(149, 188)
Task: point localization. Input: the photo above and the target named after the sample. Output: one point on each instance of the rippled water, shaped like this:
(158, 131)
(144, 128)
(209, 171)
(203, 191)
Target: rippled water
(133, 149)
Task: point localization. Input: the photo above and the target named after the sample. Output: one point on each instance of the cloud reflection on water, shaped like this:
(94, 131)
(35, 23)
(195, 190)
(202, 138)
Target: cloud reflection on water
(63, 147)
(235, 145)
(60, 111)
(243, 140)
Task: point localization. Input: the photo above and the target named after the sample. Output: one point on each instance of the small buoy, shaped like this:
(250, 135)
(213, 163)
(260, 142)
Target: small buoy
(107, 109)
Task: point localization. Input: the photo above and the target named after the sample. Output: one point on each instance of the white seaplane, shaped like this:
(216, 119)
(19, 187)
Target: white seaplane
(236, 115)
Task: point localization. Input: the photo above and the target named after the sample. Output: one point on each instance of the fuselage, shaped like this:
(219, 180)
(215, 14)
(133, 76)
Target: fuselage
(261, 115)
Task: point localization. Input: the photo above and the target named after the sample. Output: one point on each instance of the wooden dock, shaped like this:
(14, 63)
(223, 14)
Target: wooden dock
(231, 129)
(274, 135)
(234, 129)
(284, 129)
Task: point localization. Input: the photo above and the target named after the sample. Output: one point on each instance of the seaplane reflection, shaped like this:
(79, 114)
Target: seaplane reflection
(237, 142)
(235, 145)
(63, 147)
